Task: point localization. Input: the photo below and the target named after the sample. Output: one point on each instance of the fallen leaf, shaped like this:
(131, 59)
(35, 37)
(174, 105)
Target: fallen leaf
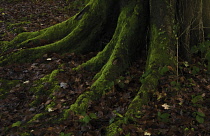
(147, 133)
(166, 106)
(49, 59)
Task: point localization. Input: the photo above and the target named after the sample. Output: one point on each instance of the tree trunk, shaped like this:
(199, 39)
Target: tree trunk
(191, 26)
(206, 18)
(124, 25)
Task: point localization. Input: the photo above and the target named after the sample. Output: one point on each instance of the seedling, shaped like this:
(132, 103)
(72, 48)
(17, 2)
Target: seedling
(164, 117)
(199, 116)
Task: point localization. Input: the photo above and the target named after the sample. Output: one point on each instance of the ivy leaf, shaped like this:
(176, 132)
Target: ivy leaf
(163, 70)
(195, 70)
(186, 64)
(163, 117)
(200, 119)
(201, 114)
(196, 99)
(86, 119)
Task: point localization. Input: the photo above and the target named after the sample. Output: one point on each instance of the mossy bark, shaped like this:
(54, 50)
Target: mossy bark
(116, 56)
(76, 34)
(161, 54)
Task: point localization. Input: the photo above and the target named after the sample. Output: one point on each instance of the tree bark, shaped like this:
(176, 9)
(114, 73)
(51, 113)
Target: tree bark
(117, 55)
(161, 54)
(206, 18)
(191, 26)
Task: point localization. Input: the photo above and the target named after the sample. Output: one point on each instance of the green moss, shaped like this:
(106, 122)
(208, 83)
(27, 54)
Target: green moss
(50, 106)
(52, 75)
(82, 103)
(62, 37)
(159, 49)
(6, 86)
(45, 87)
(114, 128)
(17, 24)
(97, 90)
(65, 114)
(114, 59)
(36, 117)
(160, 56)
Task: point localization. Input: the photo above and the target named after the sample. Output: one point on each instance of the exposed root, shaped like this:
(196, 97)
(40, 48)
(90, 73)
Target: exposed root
(119, 58)
(77, 34)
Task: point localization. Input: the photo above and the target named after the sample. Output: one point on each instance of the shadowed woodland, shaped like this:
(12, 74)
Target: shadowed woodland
(105, 67)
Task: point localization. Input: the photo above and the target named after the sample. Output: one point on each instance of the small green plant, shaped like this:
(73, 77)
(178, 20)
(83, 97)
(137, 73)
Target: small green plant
(176, 85)
(195, 70)
(199, 116)
(189, 129)
(164, 117)
(163, 70)
(196, 100)
(202, 47)
(192, 82)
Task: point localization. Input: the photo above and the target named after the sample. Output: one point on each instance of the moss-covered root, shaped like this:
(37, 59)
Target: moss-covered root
(74, 35)
(131, 25)
(134, 109)
(161, 55)
(118, 61)
(97, 62)
(39, 90)
(161, 52)
(42, 37)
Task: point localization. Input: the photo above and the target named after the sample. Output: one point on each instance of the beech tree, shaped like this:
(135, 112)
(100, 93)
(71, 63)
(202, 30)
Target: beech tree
(120, 30)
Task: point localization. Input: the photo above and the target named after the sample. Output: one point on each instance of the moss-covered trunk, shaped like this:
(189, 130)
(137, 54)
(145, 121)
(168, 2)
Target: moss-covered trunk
(126, 26)
(160, 56)
(161, 50)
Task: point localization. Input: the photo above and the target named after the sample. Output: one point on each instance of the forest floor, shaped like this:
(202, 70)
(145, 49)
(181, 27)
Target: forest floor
(179, 107)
